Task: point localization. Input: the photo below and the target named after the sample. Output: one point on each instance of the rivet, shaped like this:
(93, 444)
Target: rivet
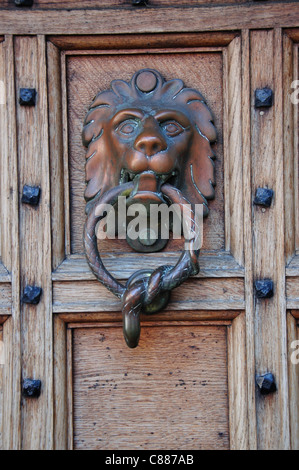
(266, 383)
(31, 195)
(24, 3)
(263, 98)
(31, 388)
(264, 288)
(263, 197)
(32, 295)
(27, 97)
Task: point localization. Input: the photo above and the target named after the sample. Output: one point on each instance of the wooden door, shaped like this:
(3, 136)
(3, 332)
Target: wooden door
(193, 381)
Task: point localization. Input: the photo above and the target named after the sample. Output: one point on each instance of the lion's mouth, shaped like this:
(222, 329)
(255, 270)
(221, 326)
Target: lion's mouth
(148, 181)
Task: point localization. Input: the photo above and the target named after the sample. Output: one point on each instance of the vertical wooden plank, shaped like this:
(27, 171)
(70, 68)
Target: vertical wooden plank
(70, 433)
(293, 335)
(3, 197)
(237, 383)
(281, 327)
(296, 150)
(12, 327)
(60, 385)
(1, 385)
(67, 214)
(233, 149)
(289, 130)
(56, 154)
(268, 239)
(35, 238)
(226, 156)
(5, 180)
(237, 371)
(246, 138)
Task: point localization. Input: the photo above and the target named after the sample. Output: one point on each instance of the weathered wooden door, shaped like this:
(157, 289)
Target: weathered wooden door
(195, 380)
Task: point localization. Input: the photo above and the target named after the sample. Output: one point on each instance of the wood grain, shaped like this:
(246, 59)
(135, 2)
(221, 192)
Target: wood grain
(70, 390)
(289, 149)
(4, 274)
(2, 359)
(60, 406)
(123, 398)
(233, 178)
(237, 384)
(152, 20)
(248, 242)
(12, 327)
(292, 292)
(204, 317)
(123, 265)
(246, 329)
(268, 239)
(35, 247)
(296, 152)
(293, 335)
(5, 179)
(292, 269)
(137, 41)
(56, 155)
(5, 298)
(210, 294)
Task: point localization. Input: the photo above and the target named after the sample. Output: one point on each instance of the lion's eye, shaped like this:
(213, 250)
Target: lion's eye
(127, 128)
(172, 128)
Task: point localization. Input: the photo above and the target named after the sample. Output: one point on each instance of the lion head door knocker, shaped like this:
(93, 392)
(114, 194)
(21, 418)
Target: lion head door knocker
(149, 142)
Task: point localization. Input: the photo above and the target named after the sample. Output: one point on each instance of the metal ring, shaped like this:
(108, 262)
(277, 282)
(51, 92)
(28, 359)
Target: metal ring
(139, 295)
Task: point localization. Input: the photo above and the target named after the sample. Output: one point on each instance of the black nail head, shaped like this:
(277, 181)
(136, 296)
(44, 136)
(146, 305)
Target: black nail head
(27, 97)
(264, 288)
(263, 197)
(31, 388)
(139, 3)
(31, 195)
(266, 383)
(24, 3)
(263, 98)
(32, 295)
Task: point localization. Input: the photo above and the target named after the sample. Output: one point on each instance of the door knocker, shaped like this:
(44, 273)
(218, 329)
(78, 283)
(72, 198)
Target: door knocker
(148, 141)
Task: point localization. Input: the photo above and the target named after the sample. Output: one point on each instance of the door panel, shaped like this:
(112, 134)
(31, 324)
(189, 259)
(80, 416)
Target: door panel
(170, 392)
(216, 294)
(215, 71)
(200, 70)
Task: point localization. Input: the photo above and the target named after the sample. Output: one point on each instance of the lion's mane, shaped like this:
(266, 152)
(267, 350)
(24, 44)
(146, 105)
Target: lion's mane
(196, 178)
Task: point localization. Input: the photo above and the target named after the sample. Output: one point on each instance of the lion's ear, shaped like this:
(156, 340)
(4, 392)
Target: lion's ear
(99, 168)
(199, 174)
(198, 180)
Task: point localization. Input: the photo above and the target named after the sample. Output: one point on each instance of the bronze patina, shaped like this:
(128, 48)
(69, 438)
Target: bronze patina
(149, 140)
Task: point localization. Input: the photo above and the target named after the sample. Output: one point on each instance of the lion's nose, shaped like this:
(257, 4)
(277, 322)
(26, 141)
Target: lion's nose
(150, 144)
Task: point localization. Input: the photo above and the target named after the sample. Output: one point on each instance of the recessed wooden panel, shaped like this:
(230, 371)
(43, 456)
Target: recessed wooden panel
(169, 393)
(88, 74)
